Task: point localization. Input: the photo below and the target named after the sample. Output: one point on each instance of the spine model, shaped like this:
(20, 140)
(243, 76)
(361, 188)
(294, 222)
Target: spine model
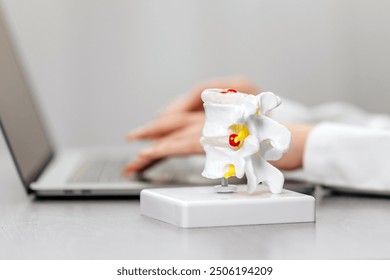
(239, 137)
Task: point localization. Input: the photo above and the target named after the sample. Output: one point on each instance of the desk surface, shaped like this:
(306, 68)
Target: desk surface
(353, 227)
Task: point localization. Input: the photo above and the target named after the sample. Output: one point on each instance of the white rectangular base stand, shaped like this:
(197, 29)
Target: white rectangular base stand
(190, 207)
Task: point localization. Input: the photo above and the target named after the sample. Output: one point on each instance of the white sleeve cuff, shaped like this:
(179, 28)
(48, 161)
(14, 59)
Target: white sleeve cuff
(348, 156)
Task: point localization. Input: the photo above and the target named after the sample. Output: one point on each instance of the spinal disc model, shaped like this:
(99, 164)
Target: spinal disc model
(239, 137)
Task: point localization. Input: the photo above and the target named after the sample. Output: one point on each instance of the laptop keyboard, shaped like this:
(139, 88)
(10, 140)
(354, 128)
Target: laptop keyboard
(99, 170)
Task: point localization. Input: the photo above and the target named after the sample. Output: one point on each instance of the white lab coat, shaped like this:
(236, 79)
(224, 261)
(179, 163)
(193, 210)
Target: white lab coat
(348, 148)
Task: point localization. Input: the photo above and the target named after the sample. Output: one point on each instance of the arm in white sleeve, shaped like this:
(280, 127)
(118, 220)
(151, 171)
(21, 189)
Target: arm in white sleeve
(348, 156)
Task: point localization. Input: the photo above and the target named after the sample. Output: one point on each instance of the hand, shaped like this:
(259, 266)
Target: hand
(173, 134)
(177, 130)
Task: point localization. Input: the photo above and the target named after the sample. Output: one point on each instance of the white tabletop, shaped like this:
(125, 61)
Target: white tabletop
(347, 226)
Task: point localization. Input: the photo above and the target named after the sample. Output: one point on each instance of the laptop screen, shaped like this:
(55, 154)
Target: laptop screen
(19, 120)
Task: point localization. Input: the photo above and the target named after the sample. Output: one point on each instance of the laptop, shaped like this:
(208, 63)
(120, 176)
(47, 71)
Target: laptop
(86, 172)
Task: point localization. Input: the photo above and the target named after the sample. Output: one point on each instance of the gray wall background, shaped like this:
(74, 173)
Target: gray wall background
(100, 67)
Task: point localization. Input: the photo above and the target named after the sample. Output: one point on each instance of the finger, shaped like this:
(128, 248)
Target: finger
(166, 125)
(193, 131)
(174, 147)
(181, 104)
(158, 128)
(153, 156)
(138, 165)
(188, 103)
